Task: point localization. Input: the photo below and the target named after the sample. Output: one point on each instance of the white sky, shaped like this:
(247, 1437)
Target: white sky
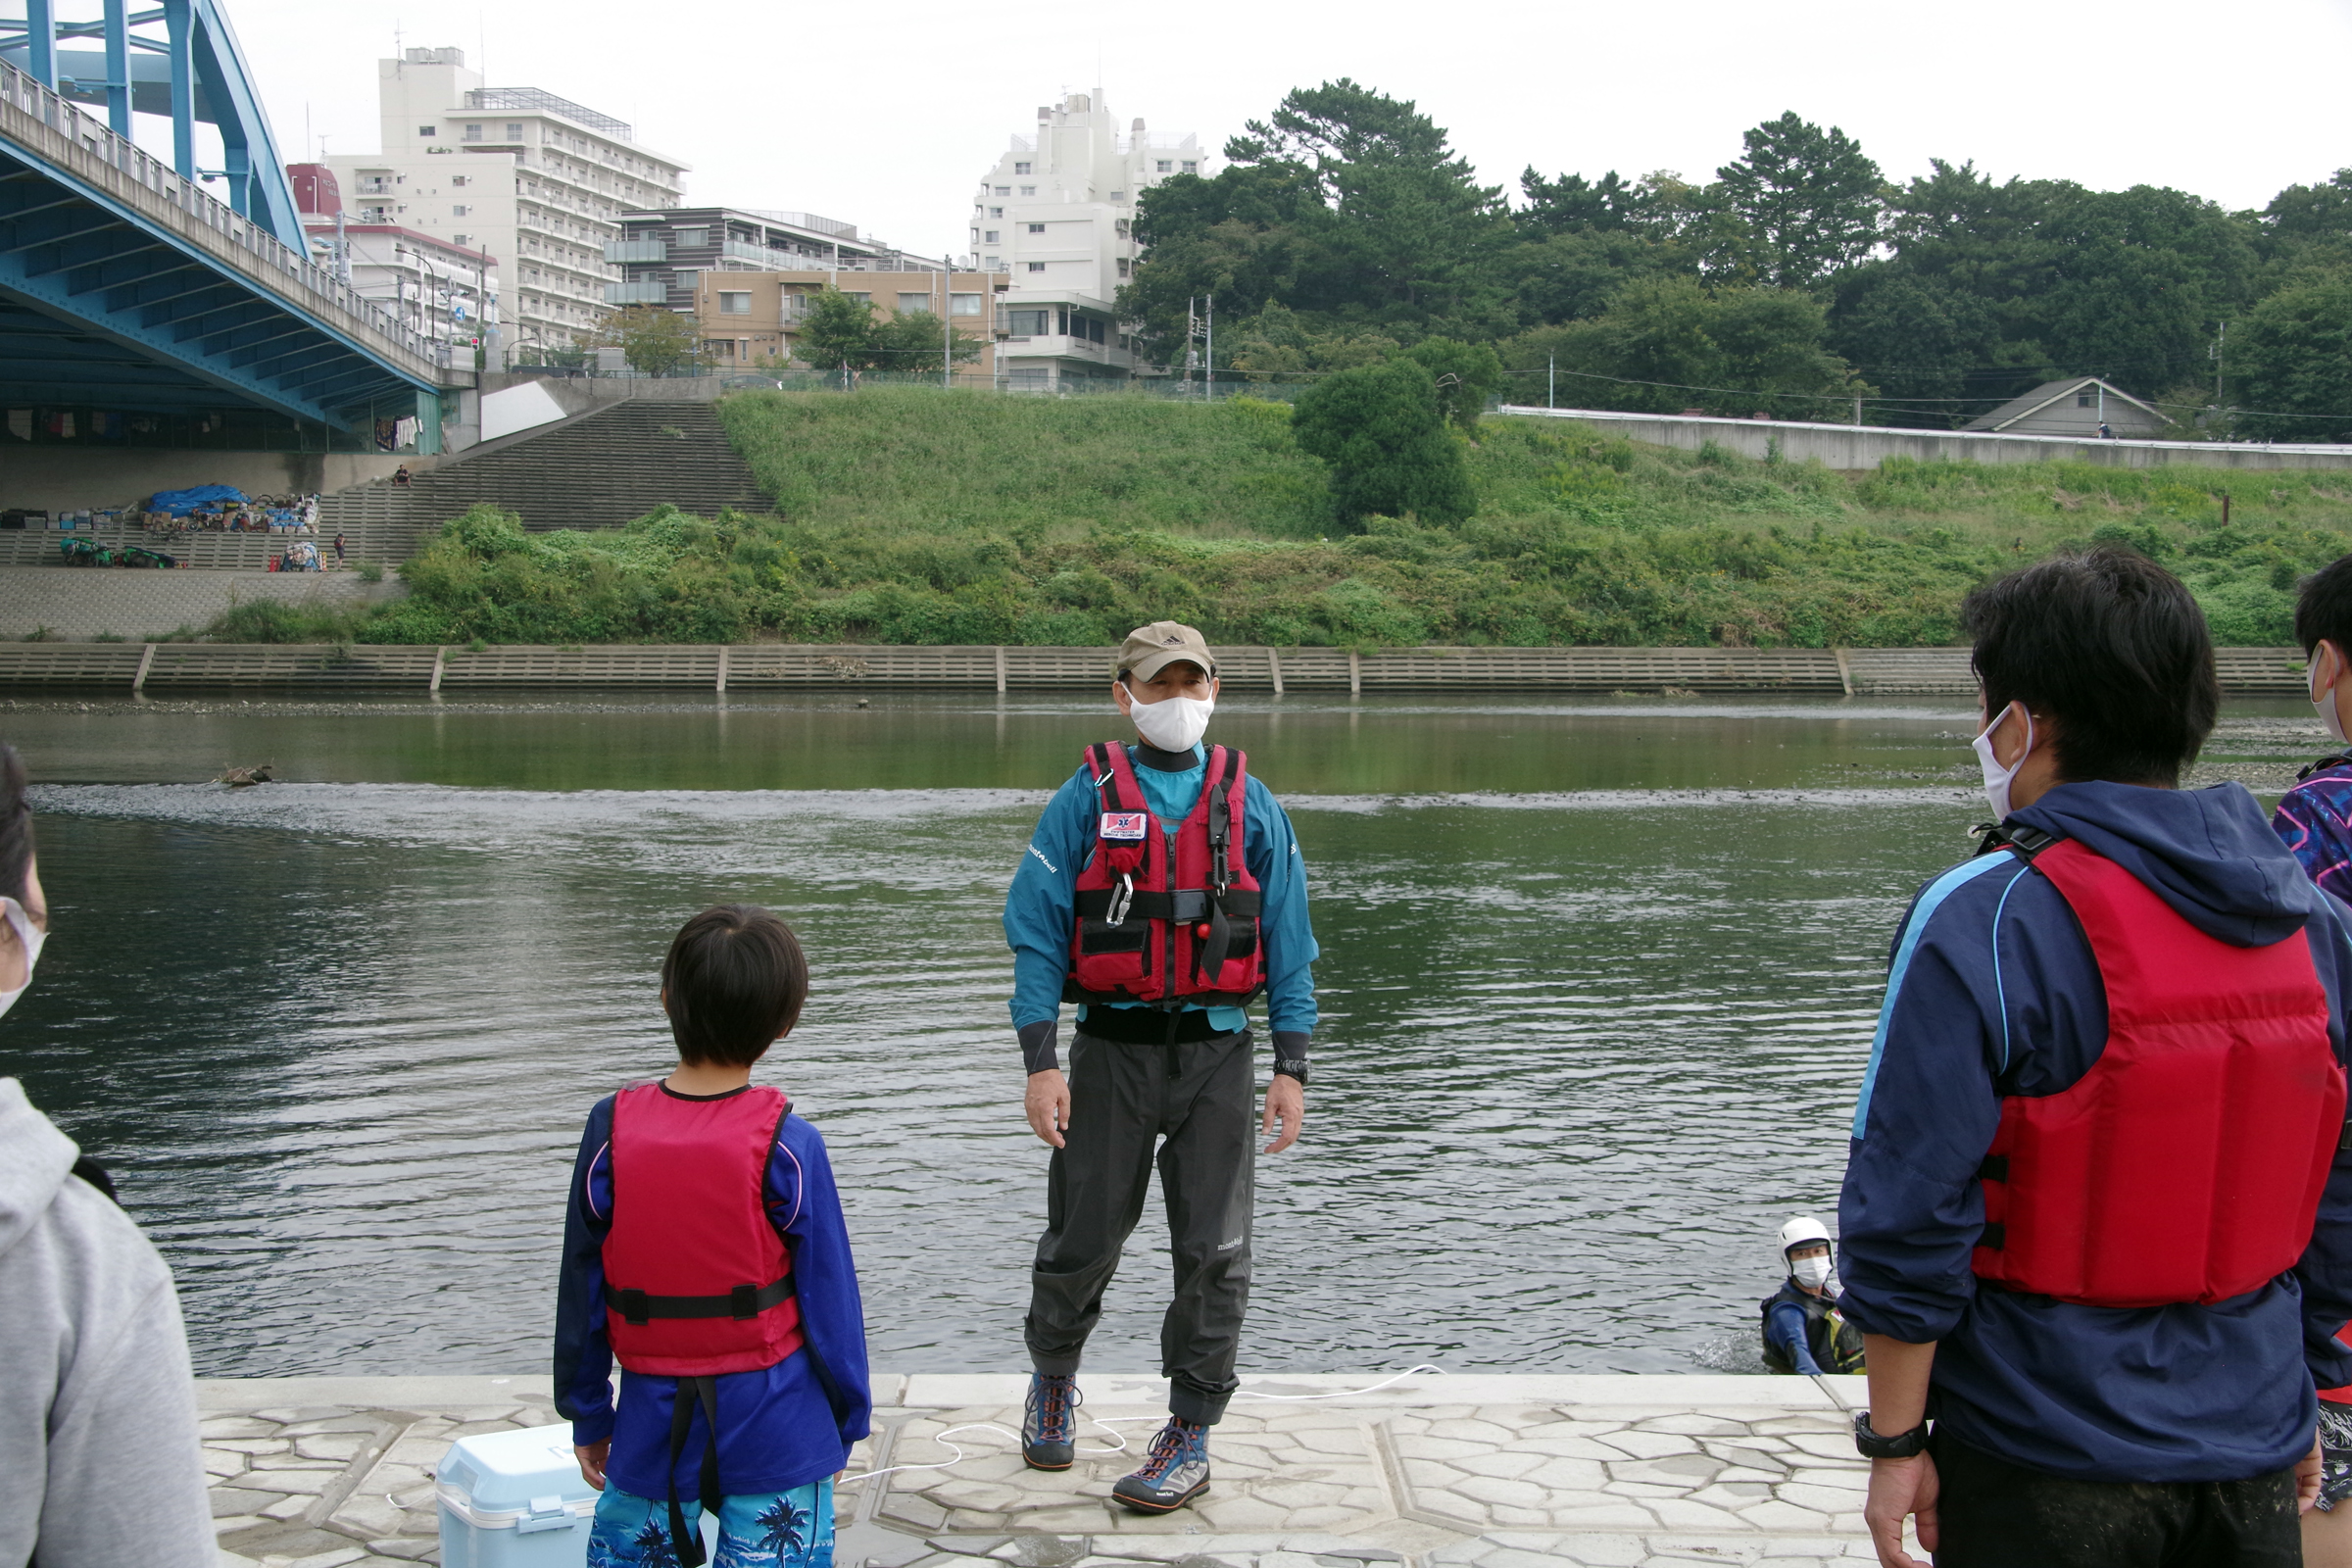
(886, 116)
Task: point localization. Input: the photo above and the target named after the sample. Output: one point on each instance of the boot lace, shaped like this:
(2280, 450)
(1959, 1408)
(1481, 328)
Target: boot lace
(1170, 1448)
(1055, 1400)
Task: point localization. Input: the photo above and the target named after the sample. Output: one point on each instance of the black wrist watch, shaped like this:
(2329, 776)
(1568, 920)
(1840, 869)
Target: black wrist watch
(1874, 1446)
(1290, 1069)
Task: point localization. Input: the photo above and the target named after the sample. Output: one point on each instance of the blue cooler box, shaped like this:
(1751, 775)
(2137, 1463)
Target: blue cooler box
(514, 1500)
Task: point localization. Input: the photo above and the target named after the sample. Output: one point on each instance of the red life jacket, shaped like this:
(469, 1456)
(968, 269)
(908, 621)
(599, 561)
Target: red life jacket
(1145, 931)
(696, 1280)
(2186, 1165)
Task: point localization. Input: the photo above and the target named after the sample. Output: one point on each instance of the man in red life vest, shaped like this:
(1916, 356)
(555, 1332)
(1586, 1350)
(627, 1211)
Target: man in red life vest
(2097, 1213)
(1162, 891)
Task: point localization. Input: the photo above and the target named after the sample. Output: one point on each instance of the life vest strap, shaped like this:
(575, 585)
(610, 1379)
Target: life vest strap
(743, 1301)
(1183, 904)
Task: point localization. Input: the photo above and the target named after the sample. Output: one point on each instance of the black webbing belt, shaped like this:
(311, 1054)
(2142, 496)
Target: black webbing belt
(1184, 905)
(743, 1301)
(692, 1392)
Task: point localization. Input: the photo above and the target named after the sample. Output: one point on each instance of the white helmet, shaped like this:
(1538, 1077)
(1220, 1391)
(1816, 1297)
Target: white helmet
(1801, 1231)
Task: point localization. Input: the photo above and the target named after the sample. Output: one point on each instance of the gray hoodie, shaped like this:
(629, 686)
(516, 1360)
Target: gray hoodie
(99, 1466)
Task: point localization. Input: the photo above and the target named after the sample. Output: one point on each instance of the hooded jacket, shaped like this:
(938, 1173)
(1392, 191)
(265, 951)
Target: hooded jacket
(1993, 992)
(99, 1464)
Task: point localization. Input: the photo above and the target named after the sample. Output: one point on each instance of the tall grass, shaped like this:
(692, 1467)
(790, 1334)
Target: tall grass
(917, 516)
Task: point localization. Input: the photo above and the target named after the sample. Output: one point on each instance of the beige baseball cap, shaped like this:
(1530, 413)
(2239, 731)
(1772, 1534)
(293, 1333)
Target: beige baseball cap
(1149, 650)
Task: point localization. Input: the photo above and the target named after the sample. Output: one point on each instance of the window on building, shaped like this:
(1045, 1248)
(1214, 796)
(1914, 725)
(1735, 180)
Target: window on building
(1037, 228)
(993, 263)
(860, 296)
(460, 211)
(734, 303)
(459, 239)
(1124, 264)
(1028, 191)
(474, 133)
(1037, 267)
(1118, 195)
(694, 236)
(963, 304)
(1022, 169)
(1027, 324)
(2087, 399)
(996, 211)
(514, 131)
(1166, 165)
(992, 238)
(914, 303)
(1191, 166)
(1003, 190)
(457, 181)
(427, 130)
(1121, 227)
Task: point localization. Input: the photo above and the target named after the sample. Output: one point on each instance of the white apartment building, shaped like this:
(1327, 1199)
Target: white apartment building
(536, 180)
(1057, 214)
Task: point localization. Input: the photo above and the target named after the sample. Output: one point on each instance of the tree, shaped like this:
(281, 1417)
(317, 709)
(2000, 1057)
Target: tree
(1809, 202)
(2290, 359)
(1574, 204)
(655, 339)
(1667, 344)
(838, 331)
(1379, 429)
(912, 341)
(1466, 373)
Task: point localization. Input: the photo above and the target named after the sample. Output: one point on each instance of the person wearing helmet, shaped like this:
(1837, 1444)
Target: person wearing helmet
(1803, 1330)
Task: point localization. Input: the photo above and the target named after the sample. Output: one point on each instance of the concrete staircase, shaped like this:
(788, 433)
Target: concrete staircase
(598, 470)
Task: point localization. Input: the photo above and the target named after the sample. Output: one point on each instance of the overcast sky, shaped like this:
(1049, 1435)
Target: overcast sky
(887, 115)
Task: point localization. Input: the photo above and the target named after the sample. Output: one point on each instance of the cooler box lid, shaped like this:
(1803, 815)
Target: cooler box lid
(519, 1478)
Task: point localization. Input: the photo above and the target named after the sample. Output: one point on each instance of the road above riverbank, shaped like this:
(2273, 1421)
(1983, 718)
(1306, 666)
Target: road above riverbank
(1434, 1471)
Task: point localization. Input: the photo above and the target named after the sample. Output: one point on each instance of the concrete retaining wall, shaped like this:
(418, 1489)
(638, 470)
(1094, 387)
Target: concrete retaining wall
(112, 602)
(1854, 447)
(771, 666)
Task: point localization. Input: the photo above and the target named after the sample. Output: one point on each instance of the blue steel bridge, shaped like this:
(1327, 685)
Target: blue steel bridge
(129, 288)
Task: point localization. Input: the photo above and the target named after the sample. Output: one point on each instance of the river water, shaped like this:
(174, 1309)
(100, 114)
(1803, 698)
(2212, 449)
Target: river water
(1598, 980)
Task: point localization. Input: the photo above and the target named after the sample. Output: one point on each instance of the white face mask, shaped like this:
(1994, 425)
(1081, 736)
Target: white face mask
(1173, 724)
(1811, 1271)
(32, 936)
(2323, 698)
(1996, 777)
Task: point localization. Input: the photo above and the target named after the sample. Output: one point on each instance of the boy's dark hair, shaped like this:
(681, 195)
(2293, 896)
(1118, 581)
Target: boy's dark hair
(2111, 646)
(15, 824)
(733, 983)
(2324, 609)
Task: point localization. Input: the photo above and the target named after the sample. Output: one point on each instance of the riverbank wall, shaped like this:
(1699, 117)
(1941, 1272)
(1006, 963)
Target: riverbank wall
(1857, 447)
(1309, 1471)
(155, 667)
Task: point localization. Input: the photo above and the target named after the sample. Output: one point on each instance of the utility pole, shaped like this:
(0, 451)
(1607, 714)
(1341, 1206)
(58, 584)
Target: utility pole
(1211, 300)
(946, 325)
(2220, 338)
(1551, 380)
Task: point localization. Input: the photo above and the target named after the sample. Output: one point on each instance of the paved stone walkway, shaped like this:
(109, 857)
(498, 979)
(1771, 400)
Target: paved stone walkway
(1495, 1472)
(139, 606)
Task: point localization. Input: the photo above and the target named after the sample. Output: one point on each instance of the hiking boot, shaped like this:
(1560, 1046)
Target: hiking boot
(1173, 1474)
(1049, 1427)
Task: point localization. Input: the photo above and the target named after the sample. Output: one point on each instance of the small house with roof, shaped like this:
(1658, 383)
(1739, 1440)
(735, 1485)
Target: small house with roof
(2075, 407)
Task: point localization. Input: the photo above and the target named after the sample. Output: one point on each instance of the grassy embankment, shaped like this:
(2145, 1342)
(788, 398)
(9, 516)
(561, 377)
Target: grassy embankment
(920, 516)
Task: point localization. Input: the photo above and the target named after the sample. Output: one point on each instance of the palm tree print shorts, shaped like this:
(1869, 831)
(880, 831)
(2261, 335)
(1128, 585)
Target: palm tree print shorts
(760, 1530)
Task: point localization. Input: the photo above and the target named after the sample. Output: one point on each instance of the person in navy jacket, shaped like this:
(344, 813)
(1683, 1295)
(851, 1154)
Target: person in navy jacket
(2083, 1423)
(786, 1387)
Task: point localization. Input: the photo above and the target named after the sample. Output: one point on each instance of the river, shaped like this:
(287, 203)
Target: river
(1598, 980)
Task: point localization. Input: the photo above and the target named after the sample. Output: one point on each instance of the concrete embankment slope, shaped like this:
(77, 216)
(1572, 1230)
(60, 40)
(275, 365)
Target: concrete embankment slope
(1476, 1471)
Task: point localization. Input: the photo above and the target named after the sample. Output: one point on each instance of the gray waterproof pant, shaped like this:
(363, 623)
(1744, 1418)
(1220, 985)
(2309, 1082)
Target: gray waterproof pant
(1123, 1099)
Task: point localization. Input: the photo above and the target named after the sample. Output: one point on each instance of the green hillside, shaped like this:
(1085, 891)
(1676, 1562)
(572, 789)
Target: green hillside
(915, 515)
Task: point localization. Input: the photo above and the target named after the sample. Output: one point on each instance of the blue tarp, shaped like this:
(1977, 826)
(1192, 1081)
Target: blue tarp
(179, 503)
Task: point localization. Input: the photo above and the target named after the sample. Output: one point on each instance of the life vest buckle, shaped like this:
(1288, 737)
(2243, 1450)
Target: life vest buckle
(1121, 900)
(634, 1307)
(743, 1301)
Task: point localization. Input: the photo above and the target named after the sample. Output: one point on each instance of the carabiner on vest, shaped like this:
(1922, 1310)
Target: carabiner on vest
(1116, 914)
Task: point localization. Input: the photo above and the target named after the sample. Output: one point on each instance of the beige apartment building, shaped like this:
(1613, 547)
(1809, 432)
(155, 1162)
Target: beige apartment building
(534, 179)
(751, 319)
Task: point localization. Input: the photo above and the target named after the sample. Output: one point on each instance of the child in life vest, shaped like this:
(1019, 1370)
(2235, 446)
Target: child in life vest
(705, 1251)
(1803, 1330)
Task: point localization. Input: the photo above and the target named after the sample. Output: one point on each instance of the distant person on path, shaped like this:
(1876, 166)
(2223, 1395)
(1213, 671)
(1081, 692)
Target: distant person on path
(99, 1461)
(400, 475)
(2096, 1221)
(2105, 434)
(1803, 1330)
(2315, 819)
(338, 550)
(705, 1249)
(1162, 891)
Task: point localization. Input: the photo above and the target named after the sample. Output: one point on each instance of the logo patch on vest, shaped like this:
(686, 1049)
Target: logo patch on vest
(1130, 825)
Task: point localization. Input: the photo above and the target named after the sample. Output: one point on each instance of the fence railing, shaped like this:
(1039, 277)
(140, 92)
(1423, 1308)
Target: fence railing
(755, 666)
(47, 124)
